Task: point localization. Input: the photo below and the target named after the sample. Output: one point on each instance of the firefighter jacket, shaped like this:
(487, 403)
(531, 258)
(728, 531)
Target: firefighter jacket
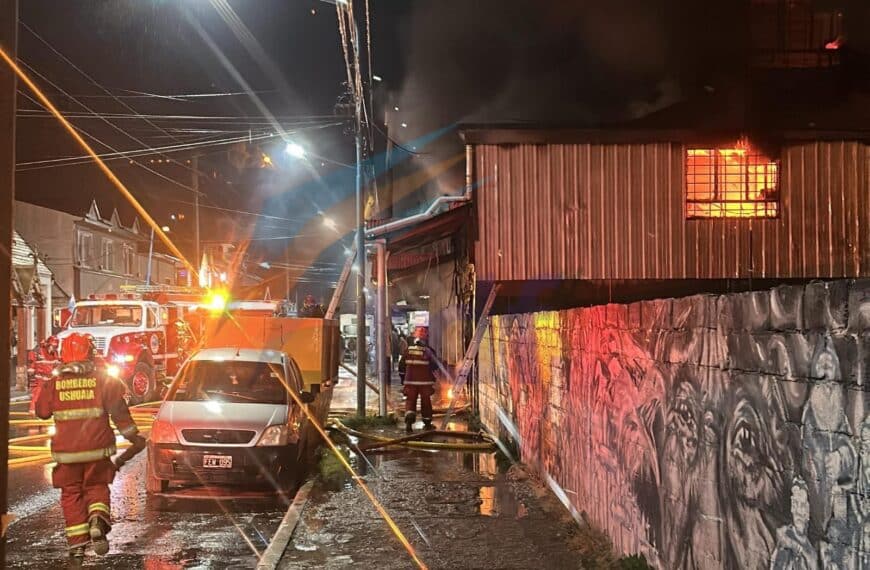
(418, 364)
(81, 397)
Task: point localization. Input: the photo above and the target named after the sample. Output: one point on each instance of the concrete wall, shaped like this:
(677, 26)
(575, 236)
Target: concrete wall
(704, 432)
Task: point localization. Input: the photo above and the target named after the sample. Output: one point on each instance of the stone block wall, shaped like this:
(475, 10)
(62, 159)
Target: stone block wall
(712, 431)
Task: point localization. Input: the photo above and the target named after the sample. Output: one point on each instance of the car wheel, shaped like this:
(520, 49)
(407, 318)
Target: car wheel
(142, 384)
(292, 470)
(152, 483)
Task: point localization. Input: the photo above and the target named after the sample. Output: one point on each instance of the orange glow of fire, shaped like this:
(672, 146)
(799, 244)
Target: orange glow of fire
(733, 182)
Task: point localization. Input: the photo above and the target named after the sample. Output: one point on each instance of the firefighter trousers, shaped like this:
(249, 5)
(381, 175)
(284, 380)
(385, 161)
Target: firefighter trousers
(425, 392)
(84, 492)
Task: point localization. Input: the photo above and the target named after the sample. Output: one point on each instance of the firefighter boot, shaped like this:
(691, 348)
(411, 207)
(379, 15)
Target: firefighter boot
(76, 557)
(427, 425)
(98, 531)
(410, 418)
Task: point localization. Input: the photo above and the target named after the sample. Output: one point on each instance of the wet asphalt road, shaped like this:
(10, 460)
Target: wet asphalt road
(192, 527)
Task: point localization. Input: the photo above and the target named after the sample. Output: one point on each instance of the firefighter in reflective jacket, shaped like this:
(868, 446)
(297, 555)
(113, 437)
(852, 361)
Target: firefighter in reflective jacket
(418, 365)
(81, 397)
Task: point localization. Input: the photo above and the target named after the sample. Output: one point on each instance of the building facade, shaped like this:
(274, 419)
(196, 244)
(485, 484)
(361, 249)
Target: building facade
(93, 255)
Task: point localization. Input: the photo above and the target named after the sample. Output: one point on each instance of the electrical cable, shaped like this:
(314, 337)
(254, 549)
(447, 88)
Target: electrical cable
(208, 142)
(106, 121)
(141, 165)
(179, 96)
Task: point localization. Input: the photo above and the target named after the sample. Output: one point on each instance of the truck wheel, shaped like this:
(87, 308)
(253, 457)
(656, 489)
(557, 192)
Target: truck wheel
(142, 384)
(152, 483)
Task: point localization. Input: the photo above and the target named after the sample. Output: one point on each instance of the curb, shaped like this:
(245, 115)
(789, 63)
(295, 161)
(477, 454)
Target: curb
(273, 553)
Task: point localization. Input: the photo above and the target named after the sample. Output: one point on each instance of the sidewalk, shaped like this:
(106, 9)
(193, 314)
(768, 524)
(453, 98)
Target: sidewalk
(456, 509)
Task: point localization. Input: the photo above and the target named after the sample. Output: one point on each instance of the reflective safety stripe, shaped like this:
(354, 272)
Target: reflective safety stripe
(78, 414)
(424, 362)
(98, 507)
(129, 430)
(83, 456)
(78, 529)
(432, 383)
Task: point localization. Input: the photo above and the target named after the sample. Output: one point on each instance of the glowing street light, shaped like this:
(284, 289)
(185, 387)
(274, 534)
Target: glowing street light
(165, 229)
(295, 150)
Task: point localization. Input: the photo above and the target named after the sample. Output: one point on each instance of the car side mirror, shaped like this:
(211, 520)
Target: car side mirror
(306, 397)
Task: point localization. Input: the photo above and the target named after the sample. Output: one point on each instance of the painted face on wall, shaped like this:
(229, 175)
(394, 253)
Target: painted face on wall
(800, 508)
(683, 422)
(747, 455)
(826, 366)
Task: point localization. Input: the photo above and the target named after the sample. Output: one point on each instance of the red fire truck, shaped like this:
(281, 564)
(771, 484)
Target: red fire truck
(143, 335)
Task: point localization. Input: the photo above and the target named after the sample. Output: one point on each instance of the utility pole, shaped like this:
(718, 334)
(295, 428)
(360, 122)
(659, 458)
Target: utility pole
(195, 186)
(8, 85)
(382, 329)
(361, 346)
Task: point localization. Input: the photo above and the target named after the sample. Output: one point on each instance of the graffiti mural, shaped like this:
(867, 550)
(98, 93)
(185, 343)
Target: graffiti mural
(706, 432)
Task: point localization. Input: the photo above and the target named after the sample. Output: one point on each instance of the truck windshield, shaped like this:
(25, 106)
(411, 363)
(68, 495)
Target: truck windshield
(107, 315)
(230, 381)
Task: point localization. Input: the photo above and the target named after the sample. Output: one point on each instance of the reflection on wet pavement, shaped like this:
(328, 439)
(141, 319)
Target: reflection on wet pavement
(457, 510)
(190, 528)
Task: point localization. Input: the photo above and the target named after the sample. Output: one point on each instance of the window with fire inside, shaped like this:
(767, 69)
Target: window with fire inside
(731, 182)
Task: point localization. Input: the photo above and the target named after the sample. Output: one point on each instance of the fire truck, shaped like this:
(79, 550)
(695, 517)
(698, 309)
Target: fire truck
(142, 335)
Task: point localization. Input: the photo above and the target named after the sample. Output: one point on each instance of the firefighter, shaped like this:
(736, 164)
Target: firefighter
(40, 364)
(417, 366)
(81, 397)
(311, 309)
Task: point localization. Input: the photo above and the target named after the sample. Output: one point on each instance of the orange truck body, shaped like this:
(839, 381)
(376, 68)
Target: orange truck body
(313, 343)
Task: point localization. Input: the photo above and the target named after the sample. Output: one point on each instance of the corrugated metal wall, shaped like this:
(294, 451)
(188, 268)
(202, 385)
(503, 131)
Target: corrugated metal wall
(616, 211)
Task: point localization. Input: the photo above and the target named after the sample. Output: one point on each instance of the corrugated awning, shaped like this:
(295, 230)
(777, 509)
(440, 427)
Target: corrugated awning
(430, 231)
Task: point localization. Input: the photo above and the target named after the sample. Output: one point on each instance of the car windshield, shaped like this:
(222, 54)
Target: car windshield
(230, 381)
(107, 315)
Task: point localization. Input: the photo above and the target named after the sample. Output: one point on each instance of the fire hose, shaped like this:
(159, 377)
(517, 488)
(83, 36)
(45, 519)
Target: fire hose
(414, 441)
(143, 415)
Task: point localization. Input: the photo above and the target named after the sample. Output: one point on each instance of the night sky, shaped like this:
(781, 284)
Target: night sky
(443, 62)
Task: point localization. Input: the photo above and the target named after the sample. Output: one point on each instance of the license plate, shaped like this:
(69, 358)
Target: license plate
(217, 461)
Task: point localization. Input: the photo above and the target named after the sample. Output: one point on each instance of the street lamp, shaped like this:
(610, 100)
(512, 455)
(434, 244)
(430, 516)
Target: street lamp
(295, 150)
(165, 229)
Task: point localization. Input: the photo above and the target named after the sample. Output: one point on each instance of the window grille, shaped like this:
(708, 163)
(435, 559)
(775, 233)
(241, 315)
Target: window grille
(731, 183)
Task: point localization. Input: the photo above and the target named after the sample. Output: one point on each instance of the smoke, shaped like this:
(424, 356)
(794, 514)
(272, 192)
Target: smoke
(548, 62)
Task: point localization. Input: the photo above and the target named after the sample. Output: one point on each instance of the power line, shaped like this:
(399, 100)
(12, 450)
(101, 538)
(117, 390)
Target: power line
(243, 119)
(115, 127)
(145, 151)
(127, 154)
(141, 165)
(178, 96)
(94, 82)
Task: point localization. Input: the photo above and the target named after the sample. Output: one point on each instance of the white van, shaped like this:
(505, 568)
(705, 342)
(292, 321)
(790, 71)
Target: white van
(229, 418)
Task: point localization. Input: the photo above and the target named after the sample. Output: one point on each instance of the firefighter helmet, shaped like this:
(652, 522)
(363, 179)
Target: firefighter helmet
(52, 341)
(77, 347)
(421, 333)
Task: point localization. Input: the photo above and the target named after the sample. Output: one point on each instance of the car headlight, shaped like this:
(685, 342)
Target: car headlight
(113, 370)
(274, 435)
(162, 432)
(123, 358)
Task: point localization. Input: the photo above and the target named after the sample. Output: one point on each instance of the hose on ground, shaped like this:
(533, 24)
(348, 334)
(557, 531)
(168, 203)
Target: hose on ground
(487, 445)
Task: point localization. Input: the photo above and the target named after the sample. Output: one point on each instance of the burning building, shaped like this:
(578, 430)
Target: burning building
(681, 339)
